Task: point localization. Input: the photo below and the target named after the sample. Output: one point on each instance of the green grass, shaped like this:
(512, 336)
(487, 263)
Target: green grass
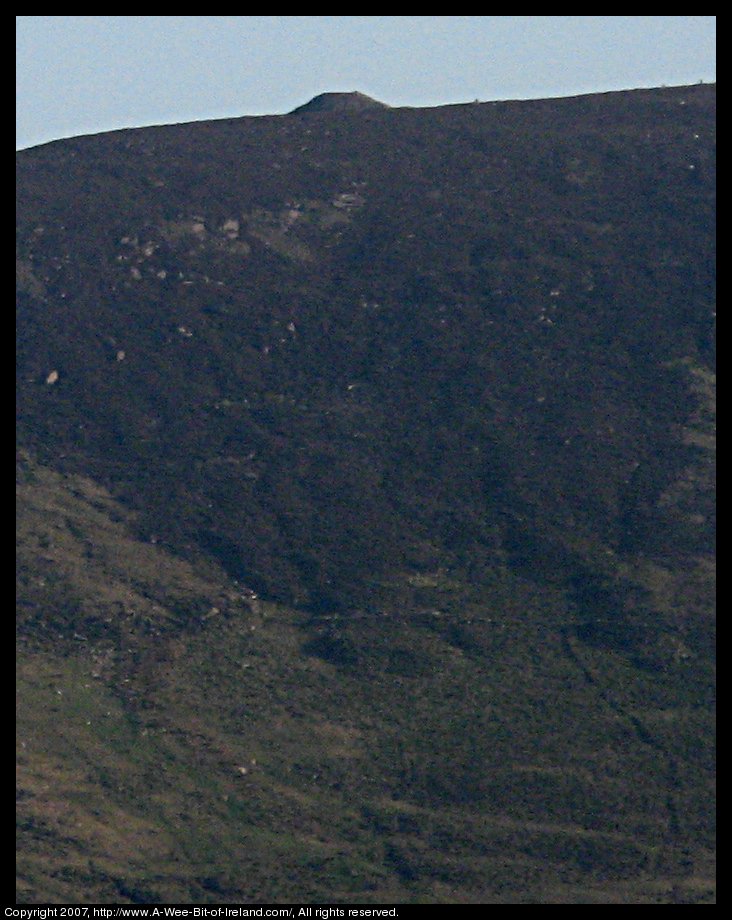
(431, 766)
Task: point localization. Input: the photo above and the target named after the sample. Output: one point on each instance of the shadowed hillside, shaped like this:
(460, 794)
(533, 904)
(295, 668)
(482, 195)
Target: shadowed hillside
(437, 385)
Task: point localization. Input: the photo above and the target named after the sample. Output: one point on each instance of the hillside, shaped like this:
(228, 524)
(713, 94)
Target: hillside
(366, 507)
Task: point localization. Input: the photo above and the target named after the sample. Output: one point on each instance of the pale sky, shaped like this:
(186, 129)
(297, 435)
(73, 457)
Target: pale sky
(85, 74)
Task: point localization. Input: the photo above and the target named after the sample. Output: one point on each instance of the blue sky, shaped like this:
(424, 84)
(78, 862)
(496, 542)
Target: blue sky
(84, 74)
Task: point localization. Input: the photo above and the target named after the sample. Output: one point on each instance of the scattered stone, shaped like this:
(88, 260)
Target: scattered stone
(230, 228)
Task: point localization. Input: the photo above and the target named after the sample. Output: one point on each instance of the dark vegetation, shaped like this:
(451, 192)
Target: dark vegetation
(438, 386)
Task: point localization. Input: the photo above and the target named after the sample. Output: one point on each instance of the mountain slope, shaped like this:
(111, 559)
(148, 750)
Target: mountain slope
(438, 386)
(178, 741)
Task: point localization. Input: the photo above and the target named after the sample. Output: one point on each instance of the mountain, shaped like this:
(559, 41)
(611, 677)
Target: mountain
(340, 102)
(366, 505)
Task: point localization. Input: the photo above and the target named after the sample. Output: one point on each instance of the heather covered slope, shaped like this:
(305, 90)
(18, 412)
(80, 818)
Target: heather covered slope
(438, 384)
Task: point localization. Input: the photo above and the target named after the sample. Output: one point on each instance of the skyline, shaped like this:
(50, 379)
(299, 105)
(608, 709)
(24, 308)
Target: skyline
(88, 74)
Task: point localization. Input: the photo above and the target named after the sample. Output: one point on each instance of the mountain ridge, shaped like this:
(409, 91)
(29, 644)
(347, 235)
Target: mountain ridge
(401, 401)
